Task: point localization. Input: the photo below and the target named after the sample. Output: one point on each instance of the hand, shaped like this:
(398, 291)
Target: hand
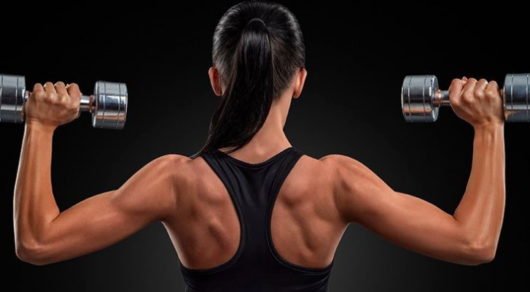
(53, 105)
(477, 102)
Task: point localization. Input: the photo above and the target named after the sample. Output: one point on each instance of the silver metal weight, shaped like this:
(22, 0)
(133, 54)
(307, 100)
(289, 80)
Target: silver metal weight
(421, 98)
(108, 104)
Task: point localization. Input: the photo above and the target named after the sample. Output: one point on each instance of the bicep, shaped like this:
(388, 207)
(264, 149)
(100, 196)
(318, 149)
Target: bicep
(403, 219)
(104, 219)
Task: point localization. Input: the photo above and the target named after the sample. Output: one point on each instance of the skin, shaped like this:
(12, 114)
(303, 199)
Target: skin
(315, 205)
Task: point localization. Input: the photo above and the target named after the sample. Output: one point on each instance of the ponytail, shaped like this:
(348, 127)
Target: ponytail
(257, 49)
(247, 100)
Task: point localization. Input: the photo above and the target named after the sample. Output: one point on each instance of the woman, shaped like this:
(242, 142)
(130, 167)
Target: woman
(249, 212)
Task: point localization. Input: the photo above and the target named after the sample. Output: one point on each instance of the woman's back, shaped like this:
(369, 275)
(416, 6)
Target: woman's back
(304, 222)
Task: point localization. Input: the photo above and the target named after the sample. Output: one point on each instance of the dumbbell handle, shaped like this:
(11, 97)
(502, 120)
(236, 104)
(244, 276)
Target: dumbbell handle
(441, 97)
(86, 105)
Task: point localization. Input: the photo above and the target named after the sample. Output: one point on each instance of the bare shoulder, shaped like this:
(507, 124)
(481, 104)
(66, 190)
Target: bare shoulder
(343, 166)
(349, 174)
(354, 184)
(171, 168)
(177, 165)
(171, 158)
(170, 162)
(187, 172)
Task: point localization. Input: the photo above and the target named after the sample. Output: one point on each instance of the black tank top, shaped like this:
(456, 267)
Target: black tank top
(256, 266)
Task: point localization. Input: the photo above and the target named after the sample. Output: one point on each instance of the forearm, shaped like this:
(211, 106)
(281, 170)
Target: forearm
(481, 210)
(34, 205)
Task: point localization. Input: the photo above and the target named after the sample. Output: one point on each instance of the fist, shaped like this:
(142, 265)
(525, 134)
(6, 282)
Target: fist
(477, 102)
(53, 105)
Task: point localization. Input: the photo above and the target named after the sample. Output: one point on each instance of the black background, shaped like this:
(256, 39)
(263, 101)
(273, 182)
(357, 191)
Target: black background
(357, 56)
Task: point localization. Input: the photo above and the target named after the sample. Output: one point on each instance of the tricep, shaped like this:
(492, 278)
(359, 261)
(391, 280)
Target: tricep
(406, 220)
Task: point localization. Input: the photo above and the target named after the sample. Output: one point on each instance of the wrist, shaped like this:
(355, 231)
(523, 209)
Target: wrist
(489, 127)
(36, 126)
(489, 133)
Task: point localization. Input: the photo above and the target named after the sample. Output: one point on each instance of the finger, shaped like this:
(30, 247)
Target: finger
(75, 94)
(38, 92)
(481, 84)
(492, 90)
(62, 94)
(492, 85)
(470, 85)
(74, 91)
(38, 87)
(49, 87)
(455, 90)
(479, 88)
(467, 92)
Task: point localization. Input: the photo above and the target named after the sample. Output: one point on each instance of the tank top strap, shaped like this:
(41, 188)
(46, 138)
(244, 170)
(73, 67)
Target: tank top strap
(283, 170)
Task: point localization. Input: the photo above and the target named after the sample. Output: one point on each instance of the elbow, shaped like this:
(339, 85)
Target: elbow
(485, 256)
(34, 254)
(479, 253)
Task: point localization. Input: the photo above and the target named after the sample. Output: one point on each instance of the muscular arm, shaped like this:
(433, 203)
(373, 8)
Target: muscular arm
(44, 235)
(469, 236)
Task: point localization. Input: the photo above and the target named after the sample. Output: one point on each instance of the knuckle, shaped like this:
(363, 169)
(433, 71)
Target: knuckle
(40, 94)
(472, 79)
(48, 99)
(468, 99)
(52, 96)
(467, 95)
(491, 93)
(479, 94)
(65, 101)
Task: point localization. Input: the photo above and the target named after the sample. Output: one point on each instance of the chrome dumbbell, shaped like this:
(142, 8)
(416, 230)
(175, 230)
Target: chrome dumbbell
(108, 104)
(421, 98)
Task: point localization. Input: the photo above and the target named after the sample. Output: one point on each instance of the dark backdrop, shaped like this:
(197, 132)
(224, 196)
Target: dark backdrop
(357, 56)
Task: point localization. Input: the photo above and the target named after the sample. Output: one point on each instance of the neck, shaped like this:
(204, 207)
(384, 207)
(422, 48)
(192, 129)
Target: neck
(270, 138)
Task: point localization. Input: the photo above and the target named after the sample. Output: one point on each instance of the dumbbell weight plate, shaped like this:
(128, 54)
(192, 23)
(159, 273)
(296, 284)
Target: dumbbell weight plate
(12, 91)
(417, 98)
(516, 97)
(110, 105)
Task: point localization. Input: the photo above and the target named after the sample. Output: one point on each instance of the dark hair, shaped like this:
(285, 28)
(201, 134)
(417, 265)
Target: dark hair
(257, 47)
